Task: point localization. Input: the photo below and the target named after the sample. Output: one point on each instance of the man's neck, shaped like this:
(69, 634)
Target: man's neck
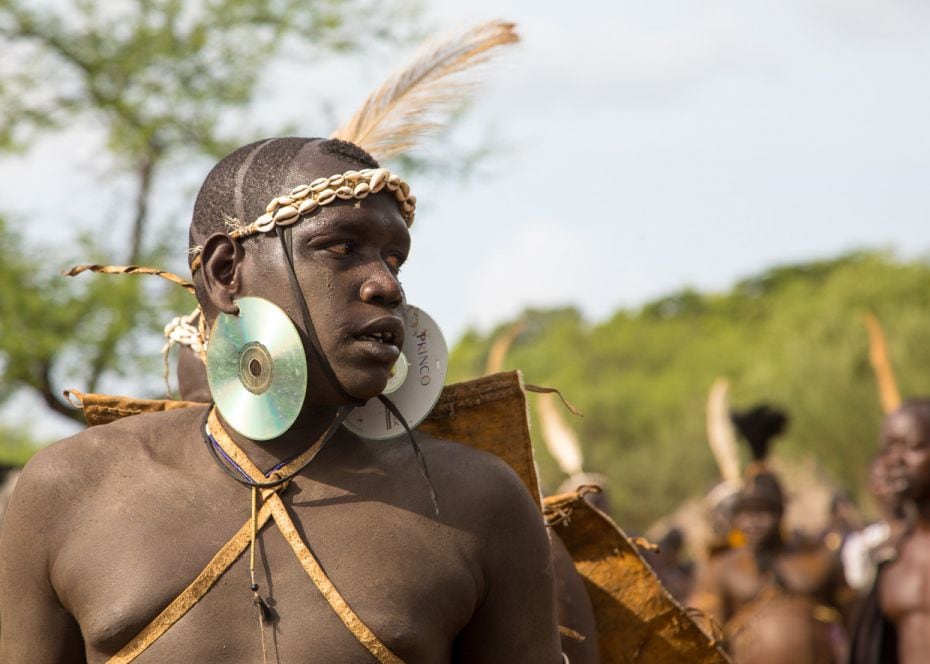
(307, 430)
(923, 513)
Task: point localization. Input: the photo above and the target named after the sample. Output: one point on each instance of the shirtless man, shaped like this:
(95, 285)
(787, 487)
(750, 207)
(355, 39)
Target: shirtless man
(777, 600)
(865, 549)
(108, 527)
(770, 596)
(904, 584)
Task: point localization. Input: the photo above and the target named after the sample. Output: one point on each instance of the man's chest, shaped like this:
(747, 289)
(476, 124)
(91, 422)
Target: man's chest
(797, 574)
(411, 580)
(904, 584)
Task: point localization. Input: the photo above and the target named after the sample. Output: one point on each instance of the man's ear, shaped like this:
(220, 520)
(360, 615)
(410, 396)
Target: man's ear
(221, 263)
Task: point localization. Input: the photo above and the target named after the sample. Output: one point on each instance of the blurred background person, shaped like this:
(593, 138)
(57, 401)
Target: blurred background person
(865, 549)
(776, 600)
(894, 623)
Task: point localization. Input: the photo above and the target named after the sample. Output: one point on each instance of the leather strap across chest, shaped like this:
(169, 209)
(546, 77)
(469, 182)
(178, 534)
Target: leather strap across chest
(272, 507)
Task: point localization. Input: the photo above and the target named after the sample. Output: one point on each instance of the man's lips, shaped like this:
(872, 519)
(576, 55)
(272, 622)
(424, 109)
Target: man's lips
(897, 482)
(387, 330)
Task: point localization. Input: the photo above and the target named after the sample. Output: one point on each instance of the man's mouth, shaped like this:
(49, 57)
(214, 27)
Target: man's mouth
(387, 335)
(381, 337)
(898, 482)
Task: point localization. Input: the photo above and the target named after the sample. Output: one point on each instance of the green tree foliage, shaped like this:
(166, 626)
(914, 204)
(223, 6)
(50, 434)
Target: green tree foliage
(793, 336)
(161, 79)
(55, 331)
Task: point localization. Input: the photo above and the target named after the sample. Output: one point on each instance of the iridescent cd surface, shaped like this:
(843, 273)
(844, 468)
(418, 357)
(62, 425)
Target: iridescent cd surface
(426, 358)
(257, 369)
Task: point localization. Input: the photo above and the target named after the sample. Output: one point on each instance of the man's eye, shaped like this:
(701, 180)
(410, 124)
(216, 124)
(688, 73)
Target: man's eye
(341, 248)
(394, 262)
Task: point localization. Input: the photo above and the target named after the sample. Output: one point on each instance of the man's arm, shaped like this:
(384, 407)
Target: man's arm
(516, 619)
(34, 626)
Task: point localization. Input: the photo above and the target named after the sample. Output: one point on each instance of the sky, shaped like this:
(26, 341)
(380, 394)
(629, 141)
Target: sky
(669, 144)
(638, 148)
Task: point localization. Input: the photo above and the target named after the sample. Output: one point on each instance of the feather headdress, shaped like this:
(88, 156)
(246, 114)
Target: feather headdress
(881, 365)
(403, 109)
(720, 435)
(759, 425)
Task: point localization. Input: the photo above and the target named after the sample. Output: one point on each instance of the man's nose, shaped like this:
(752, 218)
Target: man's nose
(382, 287)
(894, 456)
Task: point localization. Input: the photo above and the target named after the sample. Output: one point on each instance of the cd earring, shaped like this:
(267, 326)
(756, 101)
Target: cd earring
(257, 369)
(415, 384)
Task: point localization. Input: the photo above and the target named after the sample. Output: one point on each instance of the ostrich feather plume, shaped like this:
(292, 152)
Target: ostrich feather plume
(720, 434)
(500, 347)
(404, 108)
(881, 365)
(560, 439)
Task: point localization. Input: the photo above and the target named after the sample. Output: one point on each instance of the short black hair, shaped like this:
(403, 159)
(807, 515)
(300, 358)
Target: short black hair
(241, 184)
(348, 151)
(921, 408)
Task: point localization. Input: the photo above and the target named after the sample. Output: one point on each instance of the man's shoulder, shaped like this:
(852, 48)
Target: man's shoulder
(478, 479)
(481, 469)
(88, 456)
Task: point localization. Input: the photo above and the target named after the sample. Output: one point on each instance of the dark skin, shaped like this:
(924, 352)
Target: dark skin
(192, 377)
(888, 492)
(576, 615)
(153, 507)
(674, 573)
(578, 628)
(734, 584)
(904, 584)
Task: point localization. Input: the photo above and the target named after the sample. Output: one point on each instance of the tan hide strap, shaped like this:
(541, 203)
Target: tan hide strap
(312, 567)
(272, 506)
(131, 269)
(183, 603)
(241, 459)
(286, 526)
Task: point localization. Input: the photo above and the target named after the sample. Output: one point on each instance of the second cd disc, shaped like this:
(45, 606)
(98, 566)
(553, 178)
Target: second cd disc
(257, 369)
(416, 383)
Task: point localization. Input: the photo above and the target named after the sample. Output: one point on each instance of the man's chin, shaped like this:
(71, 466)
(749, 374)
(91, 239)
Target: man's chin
(367, 385)
(916, 491)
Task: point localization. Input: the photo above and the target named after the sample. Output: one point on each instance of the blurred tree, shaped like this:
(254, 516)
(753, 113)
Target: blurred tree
(161, 78)
(793, 335)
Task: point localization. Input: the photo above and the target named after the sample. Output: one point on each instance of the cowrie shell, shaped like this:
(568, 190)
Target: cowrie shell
(264, 223)
(300, 191)
(307, 206)
(378, 179)
(284, 214)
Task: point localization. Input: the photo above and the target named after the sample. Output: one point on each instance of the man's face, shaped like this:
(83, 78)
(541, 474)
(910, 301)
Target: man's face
(758, 523)
(346, 257)
(906, 453)
(885, 490)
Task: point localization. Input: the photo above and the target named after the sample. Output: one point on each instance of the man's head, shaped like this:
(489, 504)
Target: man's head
(905, 452)
(760, 503)
(758, 509)
(346, 254)
(887, 493)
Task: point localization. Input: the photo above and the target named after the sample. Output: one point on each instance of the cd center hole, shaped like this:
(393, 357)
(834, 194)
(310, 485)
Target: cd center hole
(255, 368)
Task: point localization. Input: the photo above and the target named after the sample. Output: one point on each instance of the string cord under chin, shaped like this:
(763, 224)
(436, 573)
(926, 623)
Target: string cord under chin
(418, 453)
(287, 245)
